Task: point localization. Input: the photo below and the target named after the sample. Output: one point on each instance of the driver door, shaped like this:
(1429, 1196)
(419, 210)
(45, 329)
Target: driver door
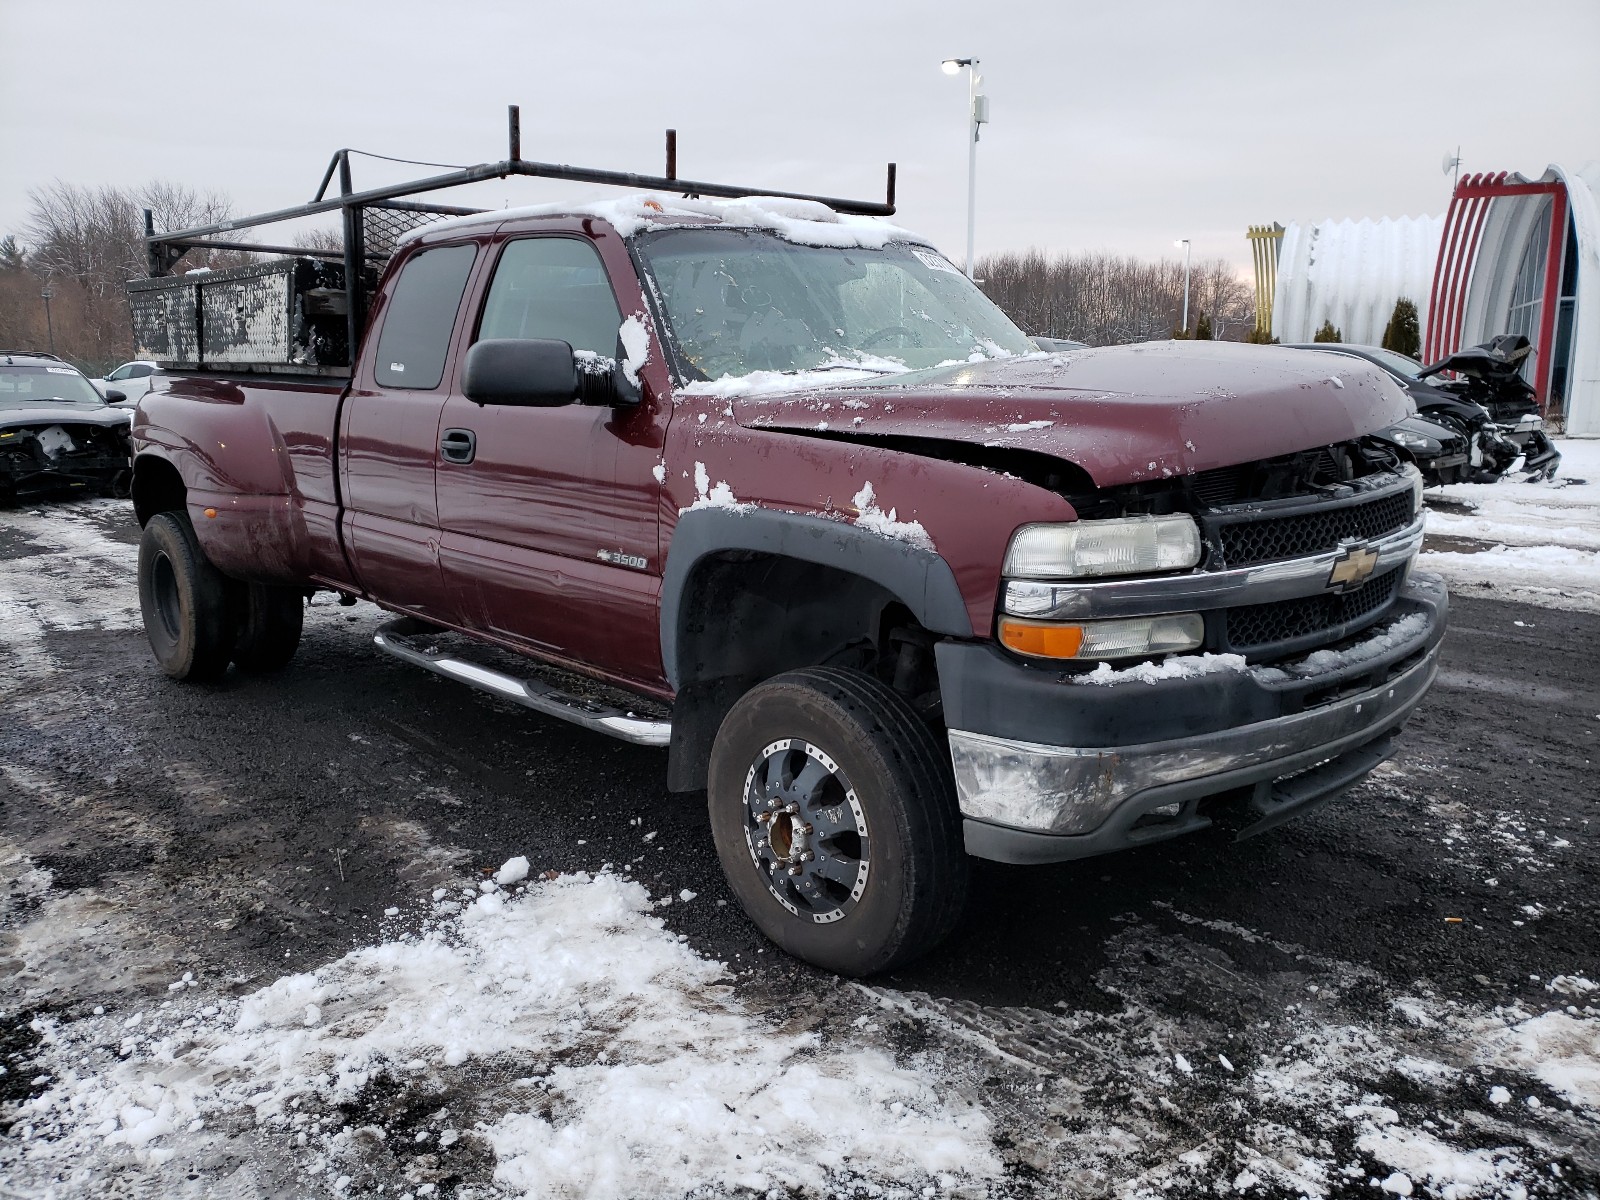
(548, 531)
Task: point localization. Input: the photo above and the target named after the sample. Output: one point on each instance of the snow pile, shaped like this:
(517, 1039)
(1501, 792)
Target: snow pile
(888, 524)
(1178, 666)
(624, 1069)
(709, 495)
(81, 579)
(1541, 541)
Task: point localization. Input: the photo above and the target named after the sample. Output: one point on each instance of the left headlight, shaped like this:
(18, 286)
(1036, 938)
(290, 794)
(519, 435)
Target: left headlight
(1414, 441)
(1116, 546)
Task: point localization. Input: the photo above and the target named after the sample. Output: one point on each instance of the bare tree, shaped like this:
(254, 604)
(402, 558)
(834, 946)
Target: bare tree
(85, 243)
(1105, 300)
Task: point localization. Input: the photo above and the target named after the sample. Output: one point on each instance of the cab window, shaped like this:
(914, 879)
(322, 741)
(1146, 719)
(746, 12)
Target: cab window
(419, 317)
(553, 287)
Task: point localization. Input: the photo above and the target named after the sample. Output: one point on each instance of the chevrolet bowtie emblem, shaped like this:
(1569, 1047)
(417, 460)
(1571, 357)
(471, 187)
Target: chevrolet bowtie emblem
(1351, 569)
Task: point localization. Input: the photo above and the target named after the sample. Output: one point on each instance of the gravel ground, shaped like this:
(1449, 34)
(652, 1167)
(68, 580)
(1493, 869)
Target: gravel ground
(1394, 992)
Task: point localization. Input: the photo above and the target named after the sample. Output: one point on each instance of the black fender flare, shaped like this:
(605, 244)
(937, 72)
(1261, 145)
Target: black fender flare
(919, 578)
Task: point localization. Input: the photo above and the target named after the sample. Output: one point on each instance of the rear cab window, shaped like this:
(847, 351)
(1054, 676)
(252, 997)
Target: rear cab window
(420, 316)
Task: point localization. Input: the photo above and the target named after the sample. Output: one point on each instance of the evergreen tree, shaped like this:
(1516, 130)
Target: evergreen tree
(1261, 337)
(1403, 334)
(1202, 331)
(10, 254)
(1328, 333)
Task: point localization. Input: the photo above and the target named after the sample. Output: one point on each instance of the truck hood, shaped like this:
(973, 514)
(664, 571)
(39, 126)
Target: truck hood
(45, 413)
(1123, 414)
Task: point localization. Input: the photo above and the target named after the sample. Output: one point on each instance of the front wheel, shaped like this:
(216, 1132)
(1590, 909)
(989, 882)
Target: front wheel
(835, 818)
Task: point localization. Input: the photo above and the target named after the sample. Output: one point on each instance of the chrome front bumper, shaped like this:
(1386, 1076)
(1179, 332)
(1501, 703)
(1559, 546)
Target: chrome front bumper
(1028, 801)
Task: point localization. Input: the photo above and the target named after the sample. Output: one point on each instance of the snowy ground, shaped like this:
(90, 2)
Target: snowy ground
(264, 939)
(1535, 542)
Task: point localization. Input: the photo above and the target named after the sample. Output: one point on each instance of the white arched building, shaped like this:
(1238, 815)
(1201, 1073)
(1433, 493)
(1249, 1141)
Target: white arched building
(1512, 255)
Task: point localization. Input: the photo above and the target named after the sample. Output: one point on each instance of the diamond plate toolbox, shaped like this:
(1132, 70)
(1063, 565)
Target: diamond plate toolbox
(286, 313)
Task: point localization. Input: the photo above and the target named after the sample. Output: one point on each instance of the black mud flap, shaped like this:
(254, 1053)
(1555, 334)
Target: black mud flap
(1283, 800)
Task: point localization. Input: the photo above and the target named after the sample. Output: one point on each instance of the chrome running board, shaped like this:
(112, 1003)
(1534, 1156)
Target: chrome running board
(397, 638)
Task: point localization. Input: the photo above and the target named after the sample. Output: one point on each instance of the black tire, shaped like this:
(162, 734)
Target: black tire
(184, 600)
(812, 738)
(268, 626)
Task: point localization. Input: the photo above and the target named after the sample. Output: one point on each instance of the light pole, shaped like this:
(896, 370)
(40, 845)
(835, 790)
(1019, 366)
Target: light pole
(1184, 242)
(977, 114)
(45, 295)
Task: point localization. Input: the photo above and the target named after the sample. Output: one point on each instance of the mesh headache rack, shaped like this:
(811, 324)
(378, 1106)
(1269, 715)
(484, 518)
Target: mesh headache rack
(303, 310)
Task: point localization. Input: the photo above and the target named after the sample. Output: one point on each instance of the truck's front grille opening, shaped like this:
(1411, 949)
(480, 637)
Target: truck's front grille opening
(1257, 626)
(1299, 534)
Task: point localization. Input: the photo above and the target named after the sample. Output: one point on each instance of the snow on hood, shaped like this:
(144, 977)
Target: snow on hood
(43, 413)
(806, 222)
(1123, 414)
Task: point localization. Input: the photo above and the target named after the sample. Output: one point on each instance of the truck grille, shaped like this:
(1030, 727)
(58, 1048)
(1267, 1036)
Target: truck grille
(1255, 626)
(1297, 535)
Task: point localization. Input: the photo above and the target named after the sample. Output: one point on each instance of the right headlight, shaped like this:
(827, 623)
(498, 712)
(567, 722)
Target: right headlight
(1116, 546)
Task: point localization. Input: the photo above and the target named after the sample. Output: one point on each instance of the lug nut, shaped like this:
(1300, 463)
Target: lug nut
(763, 818)
(803, 830)
(794, 870)
(807, 856)
(772, 802)
(791, 808)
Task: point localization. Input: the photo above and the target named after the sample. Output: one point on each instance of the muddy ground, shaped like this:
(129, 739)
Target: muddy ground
(259, 827)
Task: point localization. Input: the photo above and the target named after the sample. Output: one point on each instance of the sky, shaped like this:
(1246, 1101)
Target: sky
(1114, 127)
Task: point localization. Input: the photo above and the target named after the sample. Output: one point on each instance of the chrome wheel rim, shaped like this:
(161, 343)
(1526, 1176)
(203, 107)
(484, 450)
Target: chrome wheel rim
(806, 831)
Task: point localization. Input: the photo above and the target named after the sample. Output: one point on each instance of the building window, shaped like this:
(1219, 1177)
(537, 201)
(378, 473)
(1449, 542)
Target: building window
(1527, 294)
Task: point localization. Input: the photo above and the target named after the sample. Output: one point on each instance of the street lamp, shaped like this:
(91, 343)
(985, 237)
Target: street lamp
(1184, 242)
(45, 295)
(977, 114)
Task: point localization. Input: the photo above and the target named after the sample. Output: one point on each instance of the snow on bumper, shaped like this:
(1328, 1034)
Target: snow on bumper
(1325, 720)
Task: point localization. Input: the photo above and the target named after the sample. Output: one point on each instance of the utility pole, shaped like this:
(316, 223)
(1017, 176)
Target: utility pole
(1184, 242)
(48, 323)
(977, 114)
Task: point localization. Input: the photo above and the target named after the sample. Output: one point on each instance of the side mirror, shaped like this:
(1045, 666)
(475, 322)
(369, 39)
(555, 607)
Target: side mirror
(533, 372)
(115, 397)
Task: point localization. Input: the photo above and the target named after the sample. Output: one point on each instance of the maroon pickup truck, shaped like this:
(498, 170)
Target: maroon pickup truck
(780, 490)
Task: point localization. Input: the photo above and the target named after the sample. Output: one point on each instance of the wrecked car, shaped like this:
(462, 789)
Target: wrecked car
(57, 433)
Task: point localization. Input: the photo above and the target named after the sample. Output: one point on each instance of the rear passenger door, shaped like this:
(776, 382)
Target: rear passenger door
(390, 439)
(549, 533)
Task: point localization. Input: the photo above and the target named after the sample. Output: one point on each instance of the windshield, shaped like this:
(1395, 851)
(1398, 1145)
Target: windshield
(739, 301)
(23, 385)
(1397, 363)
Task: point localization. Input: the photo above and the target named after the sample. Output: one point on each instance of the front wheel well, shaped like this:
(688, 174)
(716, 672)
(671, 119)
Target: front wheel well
(747, 616)
(157, 488)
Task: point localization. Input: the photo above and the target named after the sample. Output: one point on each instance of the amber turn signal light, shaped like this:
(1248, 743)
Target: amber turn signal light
(1040, 639)
(211, 512)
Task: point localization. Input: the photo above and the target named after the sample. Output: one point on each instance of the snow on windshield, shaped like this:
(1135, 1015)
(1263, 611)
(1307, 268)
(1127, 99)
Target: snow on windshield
(740, 301)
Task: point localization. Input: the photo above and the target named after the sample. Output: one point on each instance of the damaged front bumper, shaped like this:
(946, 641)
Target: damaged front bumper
(1050, 768)
(91, 459)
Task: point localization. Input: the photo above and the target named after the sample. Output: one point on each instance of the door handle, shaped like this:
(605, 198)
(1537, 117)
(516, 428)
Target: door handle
(458, 445)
